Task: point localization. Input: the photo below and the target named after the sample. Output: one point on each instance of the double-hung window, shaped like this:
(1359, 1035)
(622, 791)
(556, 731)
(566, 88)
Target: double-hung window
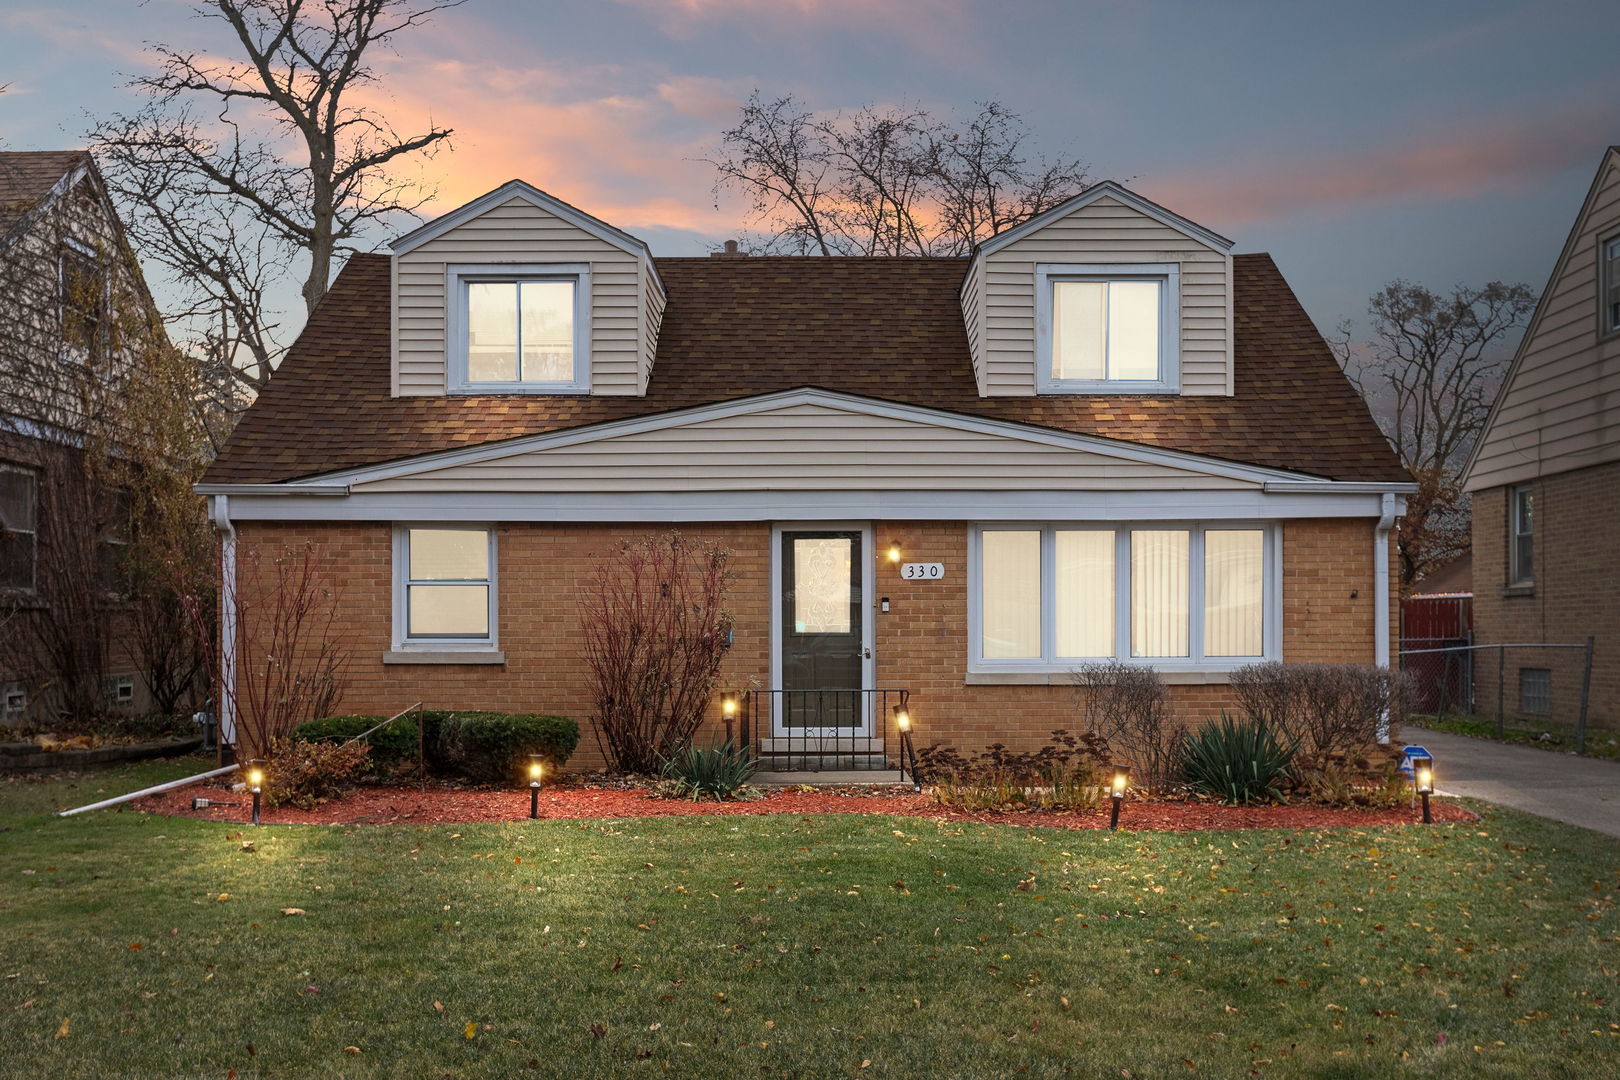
(1107, 329)
(1050, 597)
(1521, 535)
(83, 300)
(444, 586)
(1609, 278)
(19, 528)
(518, 329)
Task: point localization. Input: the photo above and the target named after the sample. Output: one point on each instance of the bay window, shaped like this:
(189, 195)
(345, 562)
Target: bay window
(518, 329)
(1046, 597)
(444, 586)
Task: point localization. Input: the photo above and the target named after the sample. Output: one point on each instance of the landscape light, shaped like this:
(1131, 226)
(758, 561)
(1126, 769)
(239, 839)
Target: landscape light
(1423, 780)
(536, 769)
(728, 705)
(1116, 792)
(256, 785)
(894, 551)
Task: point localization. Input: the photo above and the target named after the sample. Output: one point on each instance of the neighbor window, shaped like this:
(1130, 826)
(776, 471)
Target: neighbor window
(1611, 284)
(19, 527)
(1521, 535)
(1048, 596)
(447, 587)
(1535, 691)
(1107, 331)
(84, 297)
(517, 332)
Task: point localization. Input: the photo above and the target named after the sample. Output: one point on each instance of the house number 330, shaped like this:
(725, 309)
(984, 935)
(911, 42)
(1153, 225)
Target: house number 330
(922, 571)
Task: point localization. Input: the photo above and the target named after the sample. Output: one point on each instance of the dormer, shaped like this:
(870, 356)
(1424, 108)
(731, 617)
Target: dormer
(518, 292)
(1106, 293)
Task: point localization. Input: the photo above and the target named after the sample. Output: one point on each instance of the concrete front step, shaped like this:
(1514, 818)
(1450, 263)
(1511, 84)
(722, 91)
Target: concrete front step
(810, 762)
(829, 777)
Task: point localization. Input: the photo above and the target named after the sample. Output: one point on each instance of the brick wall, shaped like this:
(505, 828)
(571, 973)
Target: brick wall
(1576, 591)
(920, 644)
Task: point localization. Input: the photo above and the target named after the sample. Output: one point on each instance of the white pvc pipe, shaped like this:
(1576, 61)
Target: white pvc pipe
(226, 706)
(153, 790)
(1386, 521)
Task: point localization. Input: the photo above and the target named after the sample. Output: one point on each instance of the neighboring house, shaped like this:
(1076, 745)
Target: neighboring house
(66, 274)
(1101, 436)
(1545, 478)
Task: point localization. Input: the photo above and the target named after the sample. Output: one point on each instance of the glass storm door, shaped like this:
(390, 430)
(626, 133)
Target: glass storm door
(823, 647)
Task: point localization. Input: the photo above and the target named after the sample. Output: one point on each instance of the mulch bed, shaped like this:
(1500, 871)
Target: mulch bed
(456, 806)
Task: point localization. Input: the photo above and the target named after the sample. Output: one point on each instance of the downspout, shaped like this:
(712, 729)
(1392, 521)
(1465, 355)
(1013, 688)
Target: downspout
(220, 511)
(1386, 521)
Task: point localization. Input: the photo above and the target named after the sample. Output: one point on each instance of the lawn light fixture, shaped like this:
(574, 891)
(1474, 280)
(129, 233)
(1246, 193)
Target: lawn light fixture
(728, 705)
(255, 779)
(1423, 781)
(894, 551)
(536, 770)
(1116, 793)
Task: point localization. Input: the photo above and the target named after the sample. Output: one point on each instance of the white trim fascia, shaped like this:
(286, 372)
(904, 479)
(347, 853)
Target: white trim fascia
(1168, 218)
(289, 488)
(1340, 487)
(1169, 274)
(608, 234)
(63, 184)
(784, 505)
(457, 276)
(1125, 451)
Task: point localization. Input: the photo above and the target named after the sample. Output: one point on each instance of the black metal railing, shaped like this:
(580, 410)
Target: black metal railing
(825, 730)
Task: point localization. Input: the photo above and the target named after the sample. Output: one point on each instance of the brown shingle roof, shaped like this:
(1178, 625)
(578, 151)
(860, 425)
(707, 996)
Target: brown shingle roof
(26, 177)
(733, 328)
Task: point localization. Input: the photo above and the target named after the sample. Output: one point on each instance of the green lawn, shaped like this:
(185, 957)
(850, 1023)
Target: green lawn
(797, 947)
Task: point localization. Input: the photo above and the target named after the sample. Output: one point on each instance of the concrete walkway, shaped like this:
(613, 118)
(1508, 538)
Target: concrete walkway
(1580, 791)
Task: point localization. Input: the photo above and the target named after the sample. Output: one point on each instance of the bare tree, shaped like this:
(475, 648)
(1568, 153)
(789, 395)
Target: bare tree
(885, 181)
(1430, 373)
(238, 169)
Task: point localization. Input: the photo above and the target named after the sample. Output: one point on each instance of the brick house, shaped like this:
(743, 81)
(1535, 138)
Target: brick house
(1101, 435)
(1545, 481)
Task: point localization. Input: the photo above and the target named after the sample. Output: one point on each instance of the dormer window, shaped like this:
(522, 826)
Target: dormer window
(1107, 329)
(1610, 284)
(519, 329)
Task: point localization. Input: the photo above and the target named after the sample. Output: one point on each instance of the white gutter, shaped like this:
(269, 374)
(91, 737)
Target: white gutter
(1386, 521)
(225, 707)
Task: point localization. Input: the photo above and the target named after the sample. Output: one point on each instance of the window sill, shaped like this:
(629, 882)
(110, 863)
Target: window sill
(444, 656)
(1218, 677)
(1510, 592)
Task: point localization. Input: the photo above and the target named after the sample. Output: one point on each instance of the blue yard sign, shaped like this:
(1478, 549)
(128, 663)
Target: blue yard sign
(1411, 755)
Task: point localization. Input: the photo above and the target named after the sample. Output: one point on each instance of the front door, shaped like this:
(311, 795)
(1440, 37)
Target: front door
(821, 633)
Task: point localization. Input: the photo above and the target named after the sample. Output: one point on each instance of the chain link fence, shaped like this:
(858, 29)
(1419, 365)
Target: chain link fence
(1524, 691)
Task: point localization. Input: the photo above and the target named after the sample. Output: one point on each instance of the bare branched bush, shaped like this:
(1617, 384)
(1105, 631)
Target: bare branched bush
(1332, 711)
(655, 628)
(1061, 775)
(1124, 705)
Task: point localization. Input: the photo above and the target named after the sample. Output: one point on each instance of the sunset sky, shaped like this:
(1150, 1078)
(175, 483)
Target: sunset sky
(1441, 141)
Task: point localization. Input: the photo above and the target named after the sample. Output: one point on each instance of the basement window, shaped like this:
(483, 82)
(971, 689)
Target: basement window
(518, 329)
(1535, 691)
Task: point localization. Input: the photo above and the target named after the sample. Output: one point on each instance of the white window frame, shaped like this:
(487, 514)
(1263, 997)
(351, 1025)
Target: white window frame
(456, 279)
(1516, 536)
(1608, 280)
(403, 641)
(1169, 277)
(1194, 661)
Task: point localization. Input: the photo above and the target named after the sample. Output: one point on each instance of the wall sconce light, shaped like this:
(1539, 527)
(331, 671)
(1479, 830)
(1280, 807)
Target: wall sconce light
(1423, 780)
(1116, 793)
(255, 779)
(536, 769)
(894, 551)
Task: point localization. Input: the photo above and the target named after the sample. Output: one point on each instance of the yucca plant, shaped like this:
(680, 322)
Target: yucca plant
(1240, 761)
(718, 769)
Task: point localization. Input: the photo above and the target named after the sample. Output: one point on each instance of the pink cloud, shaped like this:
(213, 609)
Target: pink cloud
(1505, 156)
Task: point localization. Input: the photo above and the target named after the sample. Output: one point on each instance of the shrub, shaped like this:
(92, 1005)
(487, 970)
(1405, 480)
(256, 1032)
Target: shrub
(1339, 786)
(1241, 761)
(1329, 710)
(1124, 705)
(718, 769)
(1061, 775)
(306, 773)
(490, 747)
(393, 748)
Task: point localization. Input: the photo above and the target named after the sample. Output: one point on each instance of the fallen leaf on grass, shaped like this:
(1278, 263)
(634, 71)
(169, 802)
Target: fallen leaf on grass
(470, 1031)
(62, 1032)
(293, 911)
(351, 1049)
(222, 897)
(438, 1007)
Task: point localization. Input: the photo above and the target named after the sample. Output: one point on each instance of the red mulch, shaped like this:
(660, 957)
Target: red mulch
(450, 806)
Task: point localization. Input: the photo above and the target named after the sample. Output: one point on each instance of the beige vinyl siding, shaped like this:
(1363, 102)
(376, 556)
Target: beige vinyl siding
(1560, 409)
(652, 318)
(806, 448)
(972, 316)
(1104, 232)
(517, 231)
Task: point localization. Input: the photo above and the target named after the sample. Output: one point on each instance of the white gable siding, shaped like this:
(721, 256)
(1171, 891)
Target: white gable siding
(517, 231)
(973, 317)
(1560, 409)
(806, 447)
(1104, 232)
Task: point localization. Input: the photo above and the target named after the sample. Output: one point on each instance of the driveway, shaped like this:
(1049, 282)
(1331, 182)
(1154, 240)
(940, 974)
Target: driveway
(1580, 791)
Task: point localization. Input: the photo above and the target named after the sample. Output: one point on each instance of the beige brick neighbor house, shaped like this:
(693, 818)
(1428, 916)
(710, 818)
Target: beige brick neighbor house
(1545, 480)
(1103, 435)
